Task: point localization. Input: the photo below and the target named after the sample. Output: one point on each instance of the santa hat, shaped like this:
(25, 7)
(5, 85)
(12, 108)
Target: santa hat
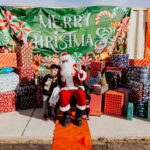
(65, 56)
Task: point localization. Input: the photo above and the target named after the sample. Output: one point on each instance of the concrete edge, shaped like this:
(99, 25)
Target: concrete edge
(47, 141)
(25, 140)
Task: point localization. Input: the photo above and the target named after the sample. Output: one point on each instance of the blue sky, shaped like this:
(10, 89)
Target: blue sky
(76, 3)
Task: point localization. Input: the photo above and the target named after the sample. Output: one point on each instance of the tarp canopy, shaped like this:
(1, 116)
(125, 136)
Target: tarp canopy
(76, 3)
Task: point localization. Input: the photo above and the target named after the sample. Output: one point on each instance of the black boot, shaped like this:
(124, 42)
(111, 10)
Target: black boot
(78, 117)
(66, 118)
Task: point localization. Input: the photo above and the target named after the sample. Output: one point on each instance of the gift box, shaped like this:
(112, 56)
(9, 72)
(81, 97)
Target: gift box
(119, 60)
(146, 89)
(26, 102)
(141, 108)
(99, 90)
(26, 90)
(114, 78)
(7, 101)
(114, 102)
(95, 105)
(8, 60)
(26, 75)
(130, 111)
(141, 74)
(135, 91)
(9, 82)
(139, 62)
(126, 98)
(97, 66)
(24, 56)
(116, 68)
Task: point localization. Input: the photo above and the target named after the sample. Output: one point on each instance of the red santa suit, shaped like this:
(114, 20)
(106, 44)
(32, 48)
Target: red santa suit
(71, 83)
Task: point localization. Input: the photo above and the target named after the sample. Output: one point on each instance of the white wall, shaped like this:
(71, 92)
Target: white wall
(136, 35)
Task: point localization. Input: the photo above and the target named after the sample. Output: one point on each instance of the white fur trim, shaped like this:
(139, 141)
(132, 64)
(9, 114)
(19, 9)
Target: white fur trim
(83, 77)
(69, 88)
(66, 108)
(66, 57)
(81, 107)
(81, 87)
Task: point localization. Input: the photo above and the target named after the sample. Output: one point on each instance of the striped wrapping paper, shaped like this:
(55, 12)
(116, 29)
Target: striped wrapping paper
(26, 75)
(119, 60)
(135, 91)
(7, 101)
(139, 62)
(114, 102)
(24, 56)
(141, 74)
(8, 60)
(141, 108)
(9, 82)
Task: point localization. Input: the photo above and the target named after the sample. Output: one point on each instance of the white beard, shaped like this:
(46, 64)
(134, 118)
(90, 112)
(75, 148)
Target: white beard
(67, 70)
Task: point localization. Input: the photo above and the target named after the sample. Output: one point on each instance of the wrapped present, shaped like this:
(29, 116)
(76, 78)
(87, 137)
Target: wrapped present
(97, 66)
(126, 97)
(24, 56)
(9, 82)
(26, 90)
(26, 76)
(99, 90)
(95, 104)
(130, 111)
(116, 68)
(7, 101)
(119, 60)
(139, 62)
(141, 74)
(146, 89)
(8, 60)
(26, 102)
(114, 78)
(135, 91)
(141, 108)
(148, 114)
(114, 102)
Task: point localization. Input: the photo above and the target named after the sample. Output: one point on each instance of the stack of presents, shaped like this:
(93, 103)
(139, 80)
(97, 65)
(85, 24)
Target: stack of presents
(120, 87)
(123, 86)
(17, 86)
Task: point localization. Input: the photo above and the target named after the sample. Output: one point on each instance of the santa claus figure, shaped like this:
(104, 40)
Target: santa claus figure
(72, 77)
